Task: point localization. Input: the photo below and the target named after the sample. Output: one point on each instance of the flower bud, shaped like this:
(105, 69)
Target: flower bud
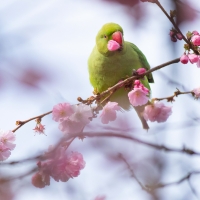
(196, 40)
(141, 71)
(193, 58)
(137, 82)
(184, 59)
(195, 33)
(173, 39)
(179, 36)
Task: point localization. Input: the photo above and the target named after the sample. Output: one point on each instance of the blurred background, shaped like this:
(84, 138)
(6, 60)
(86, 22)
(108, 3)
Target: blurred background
(44, 47)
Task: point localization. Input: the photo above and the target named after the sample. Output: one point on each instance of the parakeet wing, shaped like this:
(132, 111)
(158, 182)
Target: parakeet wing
(143, 61)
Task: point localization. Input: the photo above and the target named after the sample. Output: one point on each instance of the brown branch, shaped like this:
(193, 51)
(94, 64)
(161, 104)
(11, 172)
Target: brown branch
(99, 96)
(133, 174)
(127, 81)
(21, 123)
(134, 139)
(186, 177)
(171, 98)
(150, 188)
(171, 19)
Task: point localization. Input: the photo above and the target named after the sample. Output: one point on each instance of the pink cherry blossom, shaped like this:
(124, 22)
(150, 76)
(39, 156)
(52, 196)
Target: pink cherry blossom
(184, 59)
(193, 58)
(7, 138)
(62, 111)
(157, 112)
(6, 144)
(138, 97)
(141, 71)
(4, 152)
(109, 112)
(196, 40)
(81, 114)
(59, 165)
(39, 128)
(113, 45)
(196, 92)
(69, 127)
(77, 121)
(68, 166)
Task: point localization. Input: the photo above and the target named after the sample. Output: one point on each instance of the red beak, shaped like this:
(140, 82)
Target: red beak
(117, 36)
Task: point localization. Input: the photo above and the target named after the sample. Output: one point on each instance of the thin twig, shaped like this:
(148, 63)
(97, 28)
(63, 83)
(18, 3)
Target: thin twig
(184, 178)
(149, 188)
(192, 188)
(149, 144)
(171, 19)
(133, 174)
(171, 98)
(21, 123)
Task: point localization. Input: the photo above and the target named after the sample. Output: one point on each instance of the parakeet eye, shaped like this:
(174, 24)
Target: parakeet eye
(105, 36)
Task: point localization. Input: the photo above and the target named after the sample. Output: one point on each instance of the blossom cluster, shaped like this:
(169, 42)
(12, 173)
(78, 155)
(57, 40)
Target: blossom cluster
(174, 35)
(6, 144)
(71, 118)
(59, 165)
(192, 57)
(153, 111)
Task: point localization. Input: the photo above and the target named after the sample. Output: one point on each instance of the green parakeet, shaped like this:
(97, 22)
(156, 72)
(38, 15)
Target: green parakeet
(106, 68)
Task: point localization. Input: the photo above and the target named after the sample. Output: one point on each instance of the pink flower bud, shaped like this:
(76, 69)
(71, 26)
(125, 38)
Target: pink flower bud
(193, 58)
(196, 40)
(184, 59)
(171, 33)
(173, 39)
(141, 71)
(136, 82)
(195, 33)
(113, 45)
(179, 36)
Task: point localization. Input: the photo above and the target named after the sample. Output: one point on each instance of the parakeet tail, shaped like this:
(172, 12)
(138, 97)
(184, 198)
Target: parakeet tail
(139, 110)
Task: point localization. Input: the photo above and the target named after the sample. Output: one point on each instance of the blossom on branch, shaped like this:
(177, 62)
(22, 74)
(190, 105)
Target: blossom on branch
(109, 112)
(62, 111)
(157, 111)
(72, 119)
(39, 128)
(141, 71)
(138, 96)
(6, 144)
(184, 59)
(59, 165)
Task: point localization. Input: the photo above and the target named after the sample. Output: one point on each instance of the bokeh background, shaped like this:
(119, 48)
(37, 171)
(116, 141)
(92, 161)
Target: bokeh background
(44, 47)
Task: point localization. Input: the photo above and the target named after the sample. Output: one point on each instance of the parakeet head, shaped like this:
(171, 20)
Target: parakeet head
(110, 38)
